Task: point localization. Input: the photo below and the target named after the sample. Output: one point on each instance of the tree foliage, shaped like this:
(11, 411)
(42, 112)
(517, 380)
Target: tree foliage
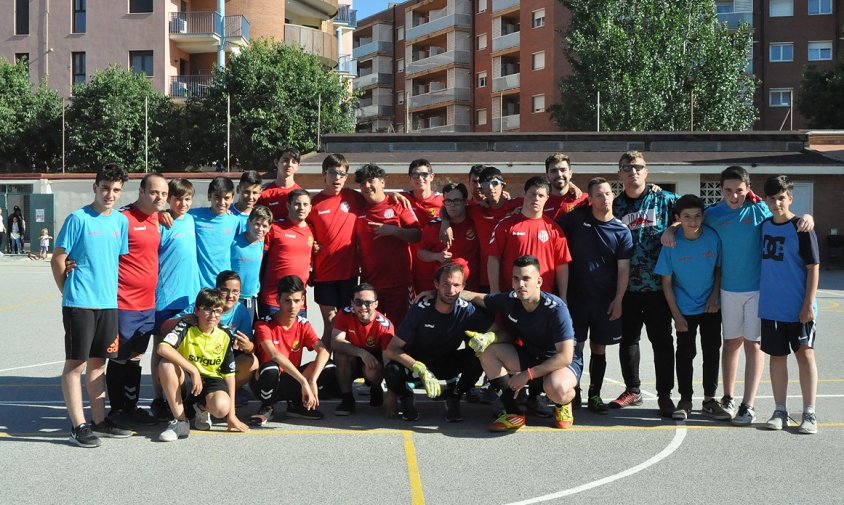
(821, 97)
(647, 58)
(275, 94)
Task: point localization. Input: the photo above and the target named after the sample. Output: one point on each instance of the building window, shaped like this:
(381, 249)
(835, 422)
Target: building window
(818, 7)
(710, 192)
(481, 113)
(538, 60)
(140, 6)
(781, 8)
(820, 51)
(400, 97)
(781, 52)
(724, 7)
(481, 5)
(779, 97)
(538, 18)
(400, 33)
(482, 41)
(141, 62)
(78, 66)
(481, 79)
(538, 103)
(400, 65)
(21, 17)
(79, 10)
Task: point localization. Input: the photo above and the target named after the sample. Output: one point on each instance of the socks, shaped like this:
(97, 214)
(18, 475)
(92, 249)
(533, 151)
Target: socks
(597, 368)
(115, 380)
(510, 405)
(131, 384)
(809, 409)
(781, 406)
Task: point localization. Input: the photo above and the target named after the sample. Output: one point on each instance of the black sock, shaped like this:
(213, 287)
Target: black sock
(500, 385)
(131, 384)
(348, 396)
(597, 368)
(115, 379)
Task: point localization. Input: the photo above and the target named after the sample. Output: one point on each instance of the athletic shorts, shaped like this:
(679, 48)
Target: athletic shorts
(90, 333)
(778, 336)
(526, 360)
(161, 316)
(135, 328)
(335, 293)
(357, 364)
(740, 315)
(592, 320)
(251, 305)
(209, 385)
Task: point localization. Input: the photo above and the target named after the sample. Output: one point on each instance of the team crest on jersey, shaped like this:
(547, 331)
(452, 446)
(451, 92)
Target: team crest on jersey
(543, 236)
(344, 206)
(389, 214)
(470, 234)
(310, 241)
(370, 341)
(296, 346)
(433, 212)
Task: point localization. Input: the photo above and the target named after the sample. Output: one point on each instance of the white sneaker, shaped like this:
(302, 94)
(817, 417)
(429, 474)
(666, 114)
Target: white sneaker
(175, 430)
(202, 421)
(809, 426)
(778, 420)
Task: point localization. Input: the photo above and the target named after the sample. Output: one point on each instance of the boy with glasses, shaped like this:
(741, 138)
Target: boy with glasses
(426, 204)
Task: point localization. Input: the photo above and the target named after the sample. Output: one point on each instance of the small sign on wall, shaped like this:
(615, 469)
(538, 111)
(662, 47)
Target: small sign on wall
(39, 215)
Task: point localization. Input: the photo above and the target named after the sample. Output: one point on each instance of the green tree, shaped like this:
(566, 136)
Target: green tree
(821, 96)
(648, 58)
(105, 121)
(275, 90)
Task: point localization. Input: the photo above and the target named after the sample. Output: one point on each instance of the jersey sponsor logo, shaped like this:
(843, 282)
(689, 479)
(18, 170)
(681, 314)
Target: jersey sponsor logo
(202, 360)
(95, 233)
(273, 204)
(641, 219)
(685, 258)
(708, 254)
(389, 214)
(171, 338)
(289, 235)
(430, 325)
(773, 248)
(543, 236)
(488, 218)
(344, 206)
(470, 234)
(587, 225)
(139, 228)
(550, 209)
(519, 234)
(323, 212)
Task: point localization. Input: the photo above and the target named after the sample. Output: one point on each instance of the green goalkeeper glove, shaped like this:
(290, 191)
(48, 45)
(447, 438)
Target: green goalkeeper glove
(431, 383)
(480, 341)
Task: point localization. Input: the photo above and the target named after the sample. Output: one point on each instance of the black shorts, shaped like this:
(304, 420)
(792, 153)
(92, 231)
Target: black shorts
(90, 333)
(778, 336)
(592, 320)
(335, 293)
(209, 385)
(527, 360)
(357, 364)
(135, 328)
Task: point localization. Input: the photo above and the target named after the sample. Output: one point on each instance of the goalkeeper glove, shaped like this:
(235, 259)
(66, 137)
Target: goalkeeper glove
(480, 341)
(431, 383)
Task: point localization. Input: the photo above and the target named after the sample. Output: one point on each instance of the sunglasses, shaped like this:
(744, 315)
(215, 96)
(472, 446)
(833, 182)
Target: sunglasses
(454, 201)
(363, 303)
(337, 173)
(421, 175)
(494, 183)
(629, 168)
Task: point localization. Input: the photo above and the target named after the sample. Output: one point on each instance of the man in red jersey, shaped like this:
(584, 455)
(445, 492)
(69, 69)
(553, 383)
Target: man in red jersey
(359, 337)
(475, 184)
(137, 280)
(274, 196)
(565, 196)
(531, 232)
(426, 204)
(385, 229)
(288, 248)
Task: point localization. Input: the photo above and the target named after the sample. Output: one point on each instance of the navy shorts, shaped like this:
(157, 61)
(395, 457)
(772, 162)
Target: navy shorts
(591, 320)
(90, 333)
(161, 316)
(135, 328)
(335, 293)
(526, 360)
(778, 337)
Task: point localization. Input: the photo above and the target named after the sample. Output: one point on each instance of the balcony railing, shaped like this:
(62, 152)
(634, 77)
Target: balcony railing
(374, 110)
(376, 46)
(196, 23)
(373, 78)
(322, 44)
(454, 20)
(506, 82)
(440, 96)
(436, 61)
(734, 18)
(236, 27)
(500, 5)
(506, 41)
(186, 86)
(346, 16)
(347, 65)
(509, 123)
(447, 128)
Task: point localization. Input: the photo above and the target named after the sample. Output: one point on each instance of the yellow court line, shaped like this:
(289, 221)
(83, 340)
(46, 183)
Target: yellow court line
(416, 496)
(28, 302)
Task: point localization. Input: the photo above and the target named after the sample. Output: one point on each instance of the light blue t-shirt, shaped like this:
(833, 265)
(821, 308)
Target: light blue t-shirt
(246, 261)
(238, 319)
(178, 270)
(95, 242)
(740, 231)
(691, 263)
(214, 237)
(243, 217)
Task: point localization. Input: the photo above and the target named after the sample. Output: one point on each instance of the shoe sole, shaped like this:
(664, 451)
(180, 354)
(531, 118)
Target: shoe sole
(342, 413)
(83, 444)
(773, 427)
(563, 426)
(718, 417)
(743, 423)
(679, 417)
(803, 431)
(614, 405)
(259, 421)
(303, 416)
(111, 435)
(503, 430)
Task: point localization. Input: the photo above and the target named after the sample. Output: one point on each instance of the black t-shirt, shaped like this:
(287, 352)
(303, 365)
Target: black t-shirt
(540, 330)
(429, 334)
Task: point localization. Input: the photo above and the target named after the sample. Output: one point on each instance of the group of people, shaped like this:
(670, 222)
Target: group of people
(430, 290)
(15, 228)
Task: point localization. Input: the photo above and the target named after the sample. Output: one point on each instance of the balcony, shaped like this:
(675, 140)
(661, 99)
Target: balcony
(375, 78)
(440, 96)
(236, 29)
(506, 41)
(511, 81)
(187, 86)
(500, 5)
(347, 66)
(203, 31)
(436, 25)
(374, 47)
(346, 16)
(447, 128)
(506, 123)
(436, 61)
(734, 18)
(316, 42)
(373, 110)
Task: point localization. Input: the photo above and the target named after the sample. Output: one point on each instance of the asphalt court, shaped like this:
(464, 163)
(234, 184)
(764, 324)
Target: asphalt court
(630, 455)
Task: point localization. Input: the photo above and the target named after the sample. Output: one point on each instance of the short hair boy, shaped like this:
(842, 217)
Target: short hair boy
(204, 352)
(248, 192)
(247, 252)
(216, 229)
(787, 306)
(286, 162)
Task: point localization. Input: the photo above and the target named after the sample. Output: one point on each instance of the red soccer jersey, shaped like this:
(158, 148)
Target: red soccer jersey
(385, 262)
(138, 271)
(485, 219)
(557, 206)
(288, 247)
(465, 245)
(332, 220)
(275, 198)
(425, 209)
(373, 336)
(288, 342)
(518, 235)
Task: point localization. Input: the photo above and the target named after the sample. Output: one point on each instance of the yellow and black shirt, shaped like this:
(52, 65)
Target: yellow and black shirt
(212, 354)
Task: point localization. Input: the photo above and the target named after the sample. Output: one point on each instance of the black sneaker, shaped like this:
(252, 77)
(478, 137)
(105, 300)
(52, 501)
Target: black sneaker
(263, 416)
(376, 396)
(577, 402)
(132, 417)
(84, 437)
(452, 409)
(299, 410)
(596, 404)
(108, 429)
(408, 409)
(160, 410)
(346, 407)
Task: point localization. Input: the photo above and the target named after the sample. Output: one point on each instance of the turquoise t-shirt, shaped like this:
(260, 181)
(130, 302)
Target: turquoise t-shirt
(178, 270)
(691, 263)
(214, 237)
(740, 231)
(246, 261)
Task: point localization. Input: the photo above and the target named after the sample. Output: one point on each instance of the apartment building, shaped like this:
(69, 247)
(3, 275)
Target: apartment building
(495, 65)
(176, 43)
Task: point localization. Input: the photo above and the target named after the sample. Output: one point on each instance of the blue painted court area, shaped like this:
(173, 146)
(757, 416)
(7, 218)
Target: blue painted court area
(629, 456)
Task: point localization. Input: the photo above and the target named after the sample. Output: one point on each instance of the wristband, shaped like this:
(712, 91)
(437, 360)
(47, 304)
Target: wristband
(530, 373)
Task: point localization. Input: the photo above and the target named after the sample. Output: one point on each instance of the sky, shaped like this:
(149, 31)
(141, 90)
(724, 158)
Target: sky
(367, 8)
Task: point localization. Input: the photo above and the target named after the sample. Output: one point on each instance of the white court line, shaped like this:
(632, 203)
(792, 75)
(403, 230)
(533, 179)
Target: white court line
(31, 366)
(675, 443)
